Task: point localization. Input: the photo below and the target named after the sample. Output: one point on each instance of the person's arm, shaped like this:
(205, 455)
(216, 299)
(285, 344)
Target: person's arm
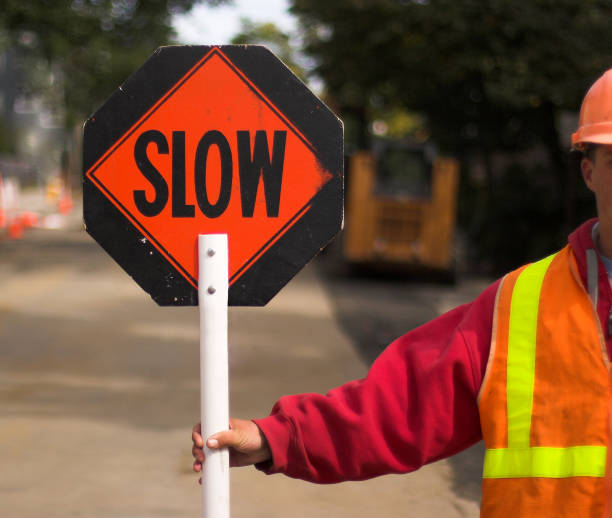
(417, 405)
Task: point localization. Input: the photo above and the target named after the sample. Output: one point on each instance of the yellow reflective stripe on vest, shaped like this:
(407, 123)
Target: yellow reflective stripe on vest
(519, 459)
(575, 461)
(521, 351)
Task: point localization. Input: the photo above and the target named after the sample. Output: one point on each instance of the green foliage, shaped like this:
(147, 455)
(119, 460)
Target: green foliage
(277, 41)
(522, 220)
(90, 46)
(488, 77)
(7, 139)
(467, 65)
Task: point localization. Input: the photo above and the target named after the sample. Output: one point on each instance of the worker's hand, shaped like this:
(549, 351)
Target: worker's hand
(246, 443)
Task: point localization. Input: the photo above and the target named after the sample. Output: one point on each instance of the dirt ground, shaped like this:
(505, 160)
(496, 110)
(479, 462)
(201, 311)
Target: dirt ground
(99, 387)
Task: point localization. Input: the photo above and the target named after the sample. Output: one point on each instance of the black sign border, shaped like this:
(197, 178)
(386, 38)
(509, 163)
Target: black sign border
(130, 102)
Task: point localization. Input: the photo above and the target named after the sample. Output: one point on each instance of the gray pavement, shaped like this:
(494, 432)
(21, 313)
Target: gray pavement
(99, 389)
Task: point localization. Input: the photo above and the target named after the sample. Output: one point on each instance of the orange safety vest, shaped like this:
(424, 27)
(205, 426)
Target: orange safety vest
(545, 396)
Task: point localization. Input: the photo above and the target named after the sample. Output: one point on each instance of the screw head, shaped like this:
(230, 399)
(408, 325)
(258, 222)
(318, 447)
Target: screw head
(211, 290)
(210, 252)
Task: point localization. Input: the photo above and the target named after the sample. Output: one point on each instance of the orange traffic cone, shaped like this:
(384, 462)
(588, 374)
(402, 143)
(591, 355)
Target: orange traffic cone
(64, 205)
(15, 229)
(29, 219)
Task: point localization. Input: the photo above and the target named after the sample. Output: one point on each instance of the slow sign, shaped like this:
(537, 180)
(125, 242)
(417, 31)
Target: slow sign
(206, 140)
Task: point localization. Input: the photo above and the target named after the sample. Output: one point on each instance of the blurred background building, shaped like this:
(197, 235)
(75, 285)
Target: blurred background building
(31, 134)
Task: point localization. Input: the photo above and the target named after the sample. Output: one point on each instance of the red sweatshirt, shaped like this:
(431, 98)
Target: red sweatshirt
(416, 405)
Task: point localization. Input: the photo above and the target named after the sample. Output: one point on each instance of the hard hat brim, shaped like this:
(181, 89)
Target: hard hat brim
(594, 133)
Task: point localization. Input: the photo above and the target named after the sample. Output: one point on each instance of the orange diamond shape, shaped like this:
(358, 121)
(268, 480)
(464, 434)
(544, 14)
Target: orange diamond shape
(213, 96)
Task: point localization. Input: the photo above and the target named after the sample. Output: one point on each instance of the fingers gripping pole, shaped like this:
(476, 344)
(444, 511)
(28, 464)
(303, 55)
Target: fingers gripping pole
(214, 392)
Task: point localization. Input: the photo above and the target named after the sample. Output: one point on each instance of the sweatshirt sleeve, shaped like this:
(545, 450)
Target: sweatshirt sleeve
(416, 405)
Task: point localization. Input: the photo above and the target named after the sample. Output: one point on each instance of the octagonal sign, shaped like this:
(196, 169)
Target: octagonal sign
(207, 140)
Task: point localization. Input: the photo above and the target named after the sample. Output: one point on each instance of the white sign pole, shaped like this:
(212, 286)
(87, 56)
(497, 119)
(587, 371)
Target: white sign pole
(214, 383)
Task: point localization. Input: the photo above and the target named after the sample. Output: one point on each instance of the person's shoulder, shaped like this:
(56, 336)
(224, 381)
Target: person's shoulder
(482, 306)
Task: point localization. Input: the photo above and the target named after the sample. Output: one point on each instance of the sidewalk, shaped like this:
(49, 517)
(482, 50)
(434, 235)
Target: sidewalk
(99, 389)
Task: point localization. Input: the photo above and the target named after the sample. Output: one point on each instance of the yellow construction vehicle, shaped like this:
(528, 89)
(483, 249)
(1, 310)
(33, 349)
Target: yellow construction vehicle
(400, 208)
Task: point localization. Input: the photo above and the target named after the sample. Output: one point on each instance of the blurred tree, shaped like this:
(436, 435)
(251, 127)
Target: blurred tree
(488, 76)
(7, 139)
(89, 47)
(277, 41)
(466, 65)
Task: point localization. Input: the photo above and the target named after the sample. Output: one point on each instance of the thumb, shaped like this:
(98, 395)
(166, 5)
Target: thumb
(225, 439)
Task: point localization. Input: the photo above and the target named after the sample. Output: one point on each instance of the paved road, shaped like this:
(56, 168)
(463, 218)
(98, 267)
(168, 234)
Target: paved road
(99, 388)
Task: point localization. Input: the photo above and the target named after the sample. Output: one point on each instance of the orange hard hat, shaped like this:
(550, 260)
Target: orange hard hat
(595, 122)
